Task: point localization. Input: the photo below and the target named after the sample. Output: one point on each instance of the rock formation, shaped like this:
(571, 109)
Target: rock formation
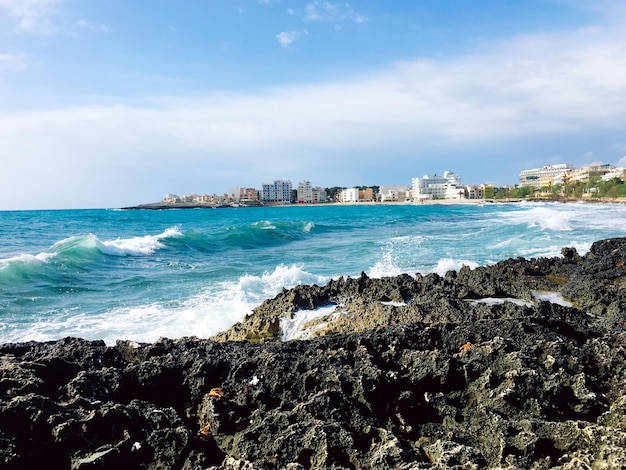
(471, 370)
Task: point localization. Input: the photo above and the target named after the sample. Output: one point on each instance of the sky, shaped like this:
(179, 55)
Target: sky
(111, 103)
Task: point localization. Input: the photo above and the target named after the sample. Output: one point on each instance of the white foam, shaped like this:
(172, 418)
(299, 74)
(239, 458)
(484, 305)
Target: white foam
(401, 248)
(137, 246)
(549, 296)
(269, 284)
(264, 225)
(293, 328)
(26, 259)
(552, 297)
(393, 304)
(546, 217)
(385, 267)
(501, 300)
(449, 264)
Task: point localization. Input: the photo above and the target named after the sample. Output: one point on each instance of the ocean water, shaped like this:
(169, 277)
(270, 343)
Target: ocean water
(142, 275)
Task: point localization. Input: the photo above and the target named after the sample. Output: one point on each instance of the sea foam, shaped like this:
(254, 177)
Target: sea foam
(449, 264)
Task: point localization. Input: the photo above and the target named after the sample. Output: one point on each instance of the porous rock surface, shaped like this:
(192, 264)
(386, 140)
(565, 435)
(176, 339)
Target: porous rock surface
(414, 374)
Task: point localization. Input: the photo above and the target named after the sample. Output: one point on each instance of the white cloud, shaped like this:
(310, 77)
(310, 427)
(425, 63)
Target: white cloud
(32, 16)
(332, 12)
(286, 38)
(92, 27)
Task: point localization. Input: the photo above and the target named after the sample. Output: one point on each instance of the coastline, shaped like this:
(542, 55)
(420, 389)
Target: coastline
(182, 205)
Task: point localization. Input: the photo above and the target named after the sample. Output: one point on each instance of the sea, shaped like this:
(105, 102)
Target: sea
(141, 275)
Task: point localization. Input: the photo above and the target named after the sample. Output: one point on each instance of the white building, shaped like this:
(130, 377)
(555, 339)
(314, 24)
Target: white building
(619, 173)
(279, 191)
(171, 198)
(395, 193)
(349, 195)
(447, 186)
(544, 176)
(234, 193)
(586, 173)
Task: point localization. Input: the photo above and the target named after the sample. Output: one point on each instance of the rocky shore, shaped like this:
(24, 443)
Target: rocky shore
(518, 365)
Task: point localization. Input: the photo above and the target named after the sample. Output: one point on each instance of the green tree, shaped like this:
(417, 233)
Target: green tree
(525, 191)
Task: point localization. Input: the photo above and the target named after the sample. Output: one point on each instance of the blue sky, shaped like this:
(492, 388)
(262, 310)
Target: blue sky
(109, 103)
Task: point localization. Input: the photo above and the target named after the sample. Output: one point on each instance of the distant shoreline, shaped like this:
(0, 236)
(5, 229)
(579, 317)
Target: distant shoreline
(184, 205)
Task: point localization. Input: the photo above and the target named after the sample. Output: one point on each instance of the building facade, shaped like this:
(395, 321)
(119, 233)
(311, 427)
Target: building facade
(435, 186)
(277, 192)
(305, 193)
(584, 174)
(619, 173)
(248, 194)
(319, 195)
(395, 193)
(366, 195)
(349, 195)
(475, 192)
(544, 176)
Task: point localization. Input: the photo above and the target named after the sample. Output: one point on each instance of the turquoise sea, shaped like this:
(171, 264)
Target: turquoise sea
(141, 275)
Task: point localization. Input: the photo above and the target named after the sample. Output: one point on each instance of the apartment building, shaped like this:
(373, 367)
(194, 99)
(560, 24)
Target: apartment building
(305, 192)
(584, 174)
(475, 192)
(348, 195)
(366, 195)
(395, 193)
(436, 186)
(248, 194)
(277, 192)
(618, 172)
(319, 195)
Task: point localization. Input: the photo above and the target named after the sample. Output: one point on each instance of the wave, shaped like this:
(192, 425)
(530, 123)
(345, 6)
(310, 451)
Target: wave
(557, 217)
(138, 246)
(79, 250)
(215, 308)
(22, 267)
(544, 217)
(267, 233)
(399, 255)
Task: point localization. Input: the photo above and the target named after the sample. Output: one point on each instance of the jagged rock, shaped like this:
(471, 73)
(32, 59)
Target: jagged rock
(415, 374)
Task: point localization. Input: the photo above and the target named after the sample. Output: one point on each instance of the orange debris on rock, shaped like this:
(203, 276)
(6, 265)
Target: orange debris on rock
(205, 430)
(216, 392)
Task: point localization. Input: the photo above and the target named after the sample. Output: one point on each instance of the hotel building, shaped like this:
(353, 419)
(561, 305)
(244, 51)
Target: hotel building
(545, 176)
(447, 186)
